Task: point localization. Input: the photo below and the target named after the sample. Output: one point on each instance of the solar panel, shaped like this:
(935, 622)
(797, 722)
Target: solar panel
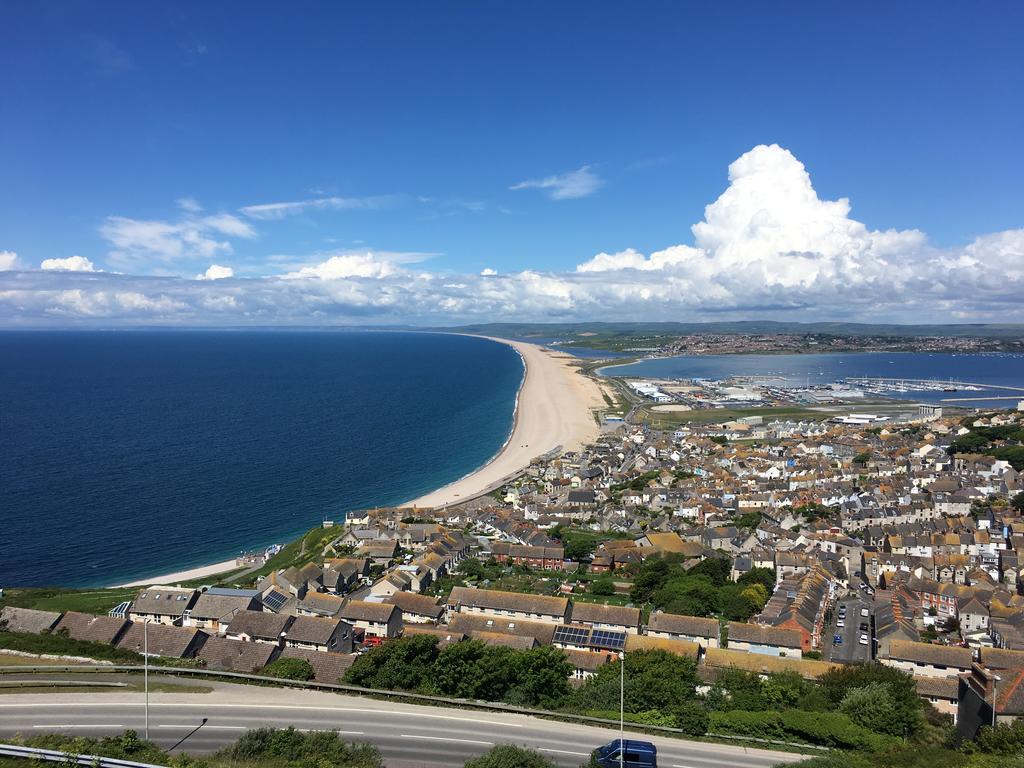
(274, 600)
(602, 638)
(571, 635)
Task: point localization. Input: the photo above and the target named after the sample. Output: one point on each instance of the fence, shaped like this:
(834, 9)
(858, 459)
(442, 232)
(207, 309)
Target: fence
(53, 756)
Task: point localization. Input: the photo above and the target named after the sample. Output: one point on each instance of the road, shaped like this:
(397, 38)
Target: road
(407, 735)
(850, 651)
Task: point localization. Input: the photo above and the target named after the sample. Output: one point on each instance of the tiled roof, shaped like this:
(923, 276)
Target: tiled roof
(27, 620)
(508, 601)
(228, 655)
(675, 623)
(929, 653)
(162, 640)
(96, 629)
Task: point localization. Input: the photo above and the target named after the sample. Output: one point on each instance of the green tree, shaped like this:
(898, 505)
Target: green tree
(1017, 502)
(907, 707)
(403, 664)
(289, 669)
(691, 717)
(873, 707)
(472, 568)
(603, 585)
(763, 576)
(654, 680)
(510, 756)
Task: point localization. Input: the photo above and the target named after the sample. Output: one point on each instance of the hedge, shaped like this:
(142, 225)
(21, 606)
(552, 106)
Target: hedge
(828, 729)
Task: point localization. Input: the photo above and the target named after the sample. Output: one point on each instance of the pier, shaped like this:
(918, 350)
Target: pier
(931, 383)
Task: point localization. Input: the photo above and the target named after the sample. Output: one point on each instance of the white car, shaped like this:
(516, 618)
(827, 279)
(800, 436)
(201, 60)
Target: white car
(863, 639)
(840, 624)
(864, 612)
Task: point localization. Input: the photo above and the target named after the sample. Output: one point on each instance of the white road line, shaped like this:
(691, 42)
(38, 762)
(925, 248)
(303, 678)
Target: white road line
(565, 752)
(79, 725)
(184, 726)
(333, 710)
(444, 738)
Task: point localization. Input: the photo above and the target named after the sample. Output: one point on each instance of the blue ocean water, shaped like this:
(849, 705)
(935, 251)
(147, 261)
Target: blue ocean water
(128, 454)
(987, 368)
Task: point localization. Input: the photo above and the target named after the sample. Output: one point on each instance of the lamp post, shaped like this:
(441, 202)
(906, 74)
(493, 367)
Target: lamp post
(622, 709)
(145, 668)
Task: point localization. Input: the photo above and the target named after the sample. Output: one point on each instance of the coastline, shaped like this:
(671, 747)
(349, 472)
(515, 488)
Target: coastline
(185, 575)
(554, 411)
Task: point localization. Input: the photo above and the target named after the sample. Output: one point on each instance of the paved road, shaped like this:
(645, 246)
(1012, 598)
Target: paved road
(850, 651)
(407, 735)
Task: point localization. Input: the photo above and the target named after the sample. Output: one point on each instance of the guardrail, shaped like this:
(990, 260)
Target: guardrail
(493, 706)
(53, 756)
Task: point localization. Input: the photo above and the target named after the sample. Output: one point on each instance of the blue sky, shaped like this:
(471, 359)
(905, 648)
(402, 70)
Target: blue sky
(446, 138)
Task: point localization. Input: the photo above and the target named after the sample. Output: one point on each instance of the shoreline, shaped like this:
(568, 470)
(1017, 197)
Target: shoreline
(553, 409)
(188, 574)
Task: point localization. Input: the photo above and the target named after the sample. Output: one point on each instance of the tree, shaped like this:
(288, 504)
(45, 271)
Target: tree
(653, 573)
(692, 718)
(1017, 502)
(510, 756)
(873, 707)
(907, 707)
(654, 680)
(862, 458)
(472, 568)
(764, 576)
(577, 547)
(289, 669)
(603, 585)
(402, 664)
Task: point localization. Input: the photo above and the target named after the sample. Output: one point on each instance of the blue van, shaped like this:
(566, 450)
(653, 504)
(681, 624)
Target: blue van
(638, 754)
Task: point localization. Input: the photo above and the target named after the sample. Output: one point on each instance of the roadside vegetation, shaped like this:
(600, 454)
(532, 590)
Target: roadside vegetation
(1003, 442)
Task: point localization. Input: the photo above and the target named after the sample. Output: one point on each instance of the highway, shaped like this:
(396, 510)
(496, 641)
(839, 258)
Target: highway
(407, 735)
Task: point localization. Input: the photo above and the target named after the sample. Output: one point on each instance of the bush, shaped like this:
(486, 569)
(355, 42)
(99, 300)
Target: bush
(692, 718)
(654, 680)
(405, 664)
(510, 756)
(127, 746)
(289, 747)
(827, 729)
(289, 669)
(603, 585)
(60, 644)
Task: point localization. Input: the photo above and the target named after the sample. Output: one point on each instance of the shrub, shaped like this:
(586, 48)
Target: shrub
(692, 718)
(60, 644)
(288, 747)
(510, 756)
(289, 669)
(127, 746)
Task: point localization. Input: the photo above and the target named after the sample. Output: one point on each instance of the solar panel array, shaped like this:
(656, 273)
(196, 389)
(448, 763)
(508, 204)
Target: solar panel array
(274, 600)
(603, 638)
(572, 635)
(593, 638)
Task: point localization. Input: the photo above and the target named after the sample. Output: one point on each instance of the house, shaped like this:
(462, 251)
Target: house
(95, 629)
(770, 641)
(163, 605)
(380, 552)
(27, 621)
(417, 609)
(705, 632)
(973, 616)
(716, 659)
(941, 692)
(986, 697)
(319, 634)
(321, 604)
(226, 655)
(611, 617)
(215, 607)
(374, 619)
(586, 663)
(162, 640)
(258, 627)
(928, 660)
(544, 558)
(508, 604)
(471, 625)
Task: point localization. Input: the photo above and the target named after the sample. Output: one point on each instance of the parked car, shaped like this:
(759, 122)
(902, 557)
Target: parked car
(837, 640)
(865, 612)
(863, 639)
(863, 626)
(636, 754)
(840, 624)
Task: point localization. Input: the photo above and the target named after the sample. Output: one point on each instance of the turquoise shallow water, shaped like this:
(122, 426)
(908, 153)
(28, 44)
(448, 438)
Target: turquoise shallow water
(127, 454)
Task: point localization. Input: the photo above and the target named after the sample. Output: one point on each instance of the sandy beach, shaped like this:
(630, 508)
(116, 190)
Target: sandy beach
(555, 410)
(180, 576)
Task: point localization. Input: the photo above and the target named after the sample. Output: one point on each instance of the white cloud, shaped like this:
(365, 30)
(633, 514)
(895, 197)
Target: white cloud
(265, 211)
(768, 247)
(348, 265)
(566, 186)
(70, 264)
(216, 272)
(189, 204)
(140, 243)
(8, 261)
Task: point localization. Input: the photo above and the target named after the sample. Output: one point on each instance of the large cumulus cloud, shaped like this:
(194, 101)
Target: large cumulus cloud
(767, 247)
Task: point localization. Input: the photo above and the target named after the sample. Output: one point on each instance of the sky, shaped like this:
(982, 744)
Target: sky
(247, 163)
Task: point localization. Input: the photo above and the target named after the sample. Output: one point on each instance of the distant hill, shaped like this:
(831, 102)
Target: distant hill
(568, 330)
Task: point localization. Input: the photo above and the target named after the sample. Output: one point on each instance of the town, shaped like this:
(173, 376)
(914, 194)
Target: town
(784, 547)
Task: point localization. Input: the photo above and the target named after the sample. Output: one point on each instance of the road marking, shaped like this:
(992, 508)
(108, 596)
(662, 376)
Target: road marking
(565, 752)
(274, 706)
(79, 725)
(238, 728)
(444, 738)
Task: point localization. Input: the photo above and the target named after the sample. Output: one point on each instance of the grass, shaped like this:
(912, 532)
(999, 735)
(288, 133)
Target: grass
(56, 599)
(61, 645)
(669, 419)
(11, 660)
(297, 553)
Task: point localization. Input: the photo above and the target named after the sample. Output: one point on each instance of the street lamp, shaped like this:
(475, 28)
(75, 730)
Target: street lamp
(145, 667)
(622, 708)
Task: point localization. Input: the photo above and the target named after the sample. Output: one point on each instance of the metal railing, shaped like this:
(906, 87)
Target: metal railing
(53, 756)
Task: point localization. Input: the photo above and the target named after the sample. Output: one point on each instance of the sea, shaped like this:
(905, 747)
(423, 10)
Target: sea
(127, 454)
(1000, 369)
